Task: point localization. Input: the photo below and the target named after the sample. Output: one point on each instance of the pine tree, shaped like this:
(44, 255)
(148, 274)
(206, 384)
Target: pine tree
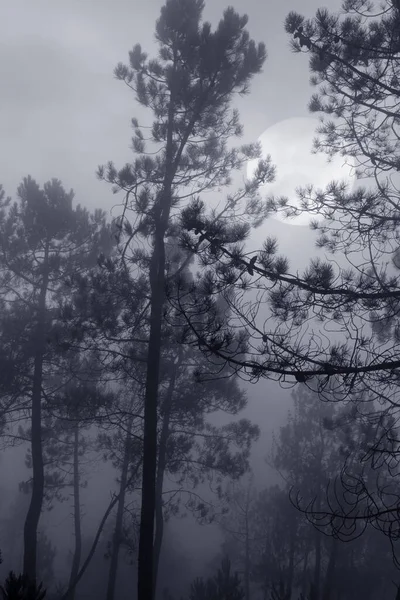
(123, 446)
(354, 65)
(355, 69)
(225, 585)
(189, 90)
(307, 455)
(239, 528)
(191, 450)
(43, 240)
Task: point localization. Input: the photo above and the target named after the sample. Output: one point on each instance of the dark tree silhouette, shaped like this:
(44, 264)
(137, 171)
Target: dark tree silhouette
(354, 60)
(354, 64)
(222, 586)
(20, 588)
(189, 90)
(333, 327)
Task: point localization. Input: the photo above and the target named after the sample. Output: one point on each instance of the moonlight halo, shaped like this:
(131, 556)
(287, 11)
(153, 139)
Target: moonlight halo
(289, 142)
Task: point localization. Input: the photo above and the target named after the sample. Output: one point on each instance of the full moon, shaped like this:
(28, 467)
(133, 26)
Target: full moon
(289, 143)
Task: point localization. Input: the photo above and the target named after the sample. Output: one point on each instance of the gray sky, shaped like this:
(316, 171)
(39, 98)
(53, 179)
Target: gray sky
(62, 112)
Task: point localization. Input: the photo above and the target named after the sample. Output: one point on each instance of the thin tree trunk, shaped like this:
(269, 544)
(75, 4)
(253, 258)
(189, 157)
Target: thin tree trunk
(330, 571)
(146, 532)
(99, 531)
(247, 559)
(35, 506)
(317, 566)
(162, 462)
(116, 543)
(318, 539)
(157, 287)
(76, 561)
(292, 550)
(304, 580)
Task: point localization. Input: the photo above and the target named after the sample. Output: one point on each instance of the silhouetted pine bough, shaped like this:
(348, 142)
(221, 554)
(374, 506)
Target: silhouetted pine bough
(19, 588)
(365, 492)
(354, 61)
(355, 68)
(352, 503)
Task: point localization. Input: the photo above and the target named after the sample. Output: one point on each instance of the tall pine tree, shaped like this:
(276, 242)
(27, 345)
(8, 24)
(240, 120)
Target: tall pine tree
(189, 89)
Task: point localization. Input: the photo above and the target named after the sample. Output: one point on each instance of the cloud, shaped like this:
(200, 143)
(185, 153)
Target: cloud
(61, 115)
(37, 74)
(62, 112)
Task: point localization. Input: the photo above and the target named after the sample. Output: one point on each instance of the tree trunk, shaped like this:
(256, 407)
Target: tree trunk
(157, 297)
(76, 561)
(116, 543)
(318, 538)
(35, 506)
(95, 542)
(146, 532)
(304, 579)
(292, 550)
(247, 559)
(162, 462)
(317, 566)
(330, 571)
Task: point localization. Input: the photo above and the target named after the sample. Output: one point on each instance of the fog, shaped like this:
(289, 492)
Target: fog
(63, 113)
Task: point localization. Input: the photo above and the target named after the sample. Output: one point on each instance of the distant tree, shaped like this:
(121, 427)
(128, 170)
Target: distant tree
(43, 239)
(78, 406)
(124, 448)
(12, 529)
(175, 572)
(281, 547)
(307, 455)
(93, 545)
(225, 585)
(290, 551)
(189, 90)
(240, 528)
(46, 555)
(192, 450)
(82, 400)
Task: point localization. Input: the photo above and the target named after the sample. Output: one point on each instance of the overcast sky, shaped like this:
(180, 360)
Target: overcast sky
(63, 113)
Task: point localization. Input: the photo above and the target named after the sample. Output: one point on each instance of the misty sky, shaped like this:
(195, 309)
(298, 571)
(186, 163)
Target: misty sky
(63, 113)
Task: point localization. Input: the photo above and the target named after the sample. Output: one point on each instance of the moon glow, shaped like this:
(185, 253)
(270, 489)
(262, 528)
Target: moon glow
(289, 143)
